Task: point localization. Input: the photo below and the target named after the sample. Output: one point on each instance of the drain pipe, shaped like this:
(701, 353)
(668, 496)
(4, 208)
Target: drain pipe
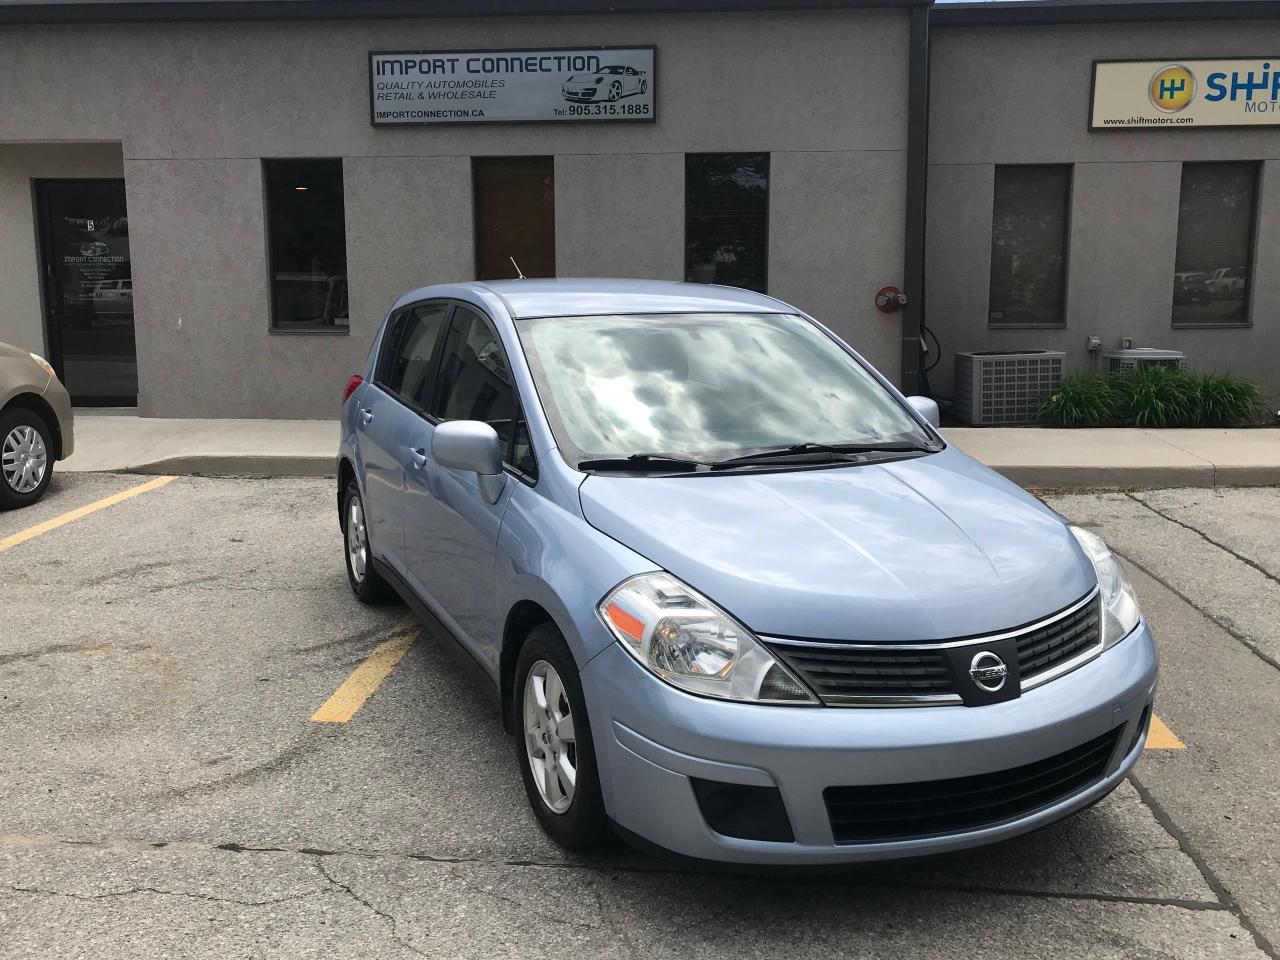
(917, 186)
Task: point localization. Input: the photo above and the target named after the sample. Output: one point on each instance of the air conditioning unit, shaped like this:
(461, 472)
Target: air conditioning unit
(1004, 387)
(1120, 361)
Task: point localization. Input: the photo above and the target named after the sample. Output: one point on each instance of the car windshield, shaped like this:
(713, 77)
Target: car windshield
(704, 386)
(611, 70)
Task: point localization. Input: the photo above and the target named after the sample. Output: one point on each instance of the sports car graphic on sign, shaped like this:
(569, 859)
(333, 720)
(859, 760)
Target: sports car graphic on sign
(608, 83)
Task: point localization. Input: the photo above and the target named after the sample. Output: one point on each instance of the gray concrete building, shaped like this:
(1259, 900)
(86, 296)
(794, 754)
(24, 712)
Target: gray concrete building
(207, 206)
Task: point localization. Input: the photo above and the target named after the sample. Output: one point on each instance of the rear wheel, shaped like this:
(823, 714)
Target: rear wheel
(553, 743)
(366, 583)
(26, 458)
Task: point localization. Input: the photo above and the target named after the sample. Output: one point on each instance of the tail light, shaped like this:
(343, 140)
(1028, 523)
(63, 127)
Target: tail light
(350, 388)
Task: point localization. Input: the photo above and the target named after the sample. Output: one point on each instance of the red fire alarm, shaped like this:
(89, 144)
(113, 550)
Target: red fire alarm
(889, 299)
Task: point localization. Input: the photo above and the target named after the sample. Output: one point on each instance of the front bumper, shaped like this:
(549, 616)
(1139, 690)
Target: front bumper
(581, 94)
(651, 739)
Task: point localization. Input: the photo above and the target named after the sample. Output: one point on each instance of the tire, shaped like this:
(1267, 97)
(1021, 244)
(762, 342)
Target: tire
(582, 823)
(644, 87)
(26, 449)
(615, 92)
(367, 584)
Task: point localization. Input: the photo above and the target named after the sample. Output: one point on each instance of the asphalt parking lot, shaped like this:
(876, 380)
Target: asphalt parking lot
(165, 792)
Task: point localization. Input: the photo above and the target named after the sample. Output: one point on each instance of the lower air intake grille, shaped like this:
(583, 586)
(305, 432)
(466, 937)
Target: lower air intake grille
(900, 811)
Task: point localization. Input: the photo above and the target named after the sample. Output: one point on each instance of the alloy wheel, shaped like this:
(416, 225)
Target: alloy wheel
(357, 540)
(23, 458)
(550, 740)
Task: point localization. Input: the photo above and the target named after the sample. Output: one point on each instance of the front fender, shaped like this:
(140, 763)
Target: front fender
(551, 556)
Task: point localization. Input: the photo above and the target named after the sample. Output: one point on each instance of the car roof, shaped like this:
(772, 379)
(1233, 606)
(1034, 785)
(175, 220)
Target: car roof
(565, 297)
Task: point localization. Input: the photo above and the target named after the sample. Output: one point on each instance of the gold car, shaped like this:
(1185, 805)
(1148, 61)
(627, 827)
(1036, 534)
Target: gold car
(35, 426)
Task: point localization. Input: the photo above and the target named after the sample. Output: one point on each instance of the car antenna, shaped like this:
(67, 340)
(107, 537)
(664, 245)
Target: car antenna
(519, 275)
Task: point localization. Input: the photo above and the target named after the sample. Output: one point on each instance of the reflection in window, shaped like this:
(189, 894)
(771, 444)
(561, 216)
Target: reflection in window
(726, 211)
(405, 365)
(1028, 245)
(307, 244)
(1215, 243)
(707, 386)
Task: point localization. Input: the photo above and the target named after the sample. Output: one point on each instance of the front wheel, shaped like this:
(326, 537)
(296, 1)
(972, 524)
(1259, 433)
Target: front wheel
(26, 458)
(615, 91)
(366, 583)
(553, 743)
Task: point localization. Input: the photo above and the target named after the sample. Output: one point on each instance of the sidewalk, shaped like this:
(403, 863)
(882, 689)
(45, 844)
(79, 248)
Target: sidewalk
(1029, 456)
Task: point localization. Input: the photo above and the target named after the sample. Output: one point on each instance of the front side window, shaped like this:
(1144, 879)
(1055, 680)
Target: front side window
(726, 225)
(704, 386)
(475, 384)
(307, 245)
(1215, 243)
(1029, 246)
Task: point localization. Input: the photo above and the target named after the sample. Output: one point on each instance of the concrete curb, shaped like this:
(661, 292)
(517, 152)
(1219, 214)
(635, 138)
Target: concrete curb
(230, 465)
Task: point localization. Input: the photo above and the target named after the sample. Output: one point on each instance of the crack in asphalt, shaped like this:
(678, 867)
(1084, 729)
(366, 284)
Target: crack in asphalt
(1200, 533)
(389, 917)
(1210, 878)
(1223, 903)
(135, 891)
(1226, 625)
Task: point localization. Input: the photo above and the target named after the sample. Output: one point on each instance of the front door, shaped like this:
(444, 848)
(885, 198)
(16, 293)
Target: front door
(88, 286)
(451, 531)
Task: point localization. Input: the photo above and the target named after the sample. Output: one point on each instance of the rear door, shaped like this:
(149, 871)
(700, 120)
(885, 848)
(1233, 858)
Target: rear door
(387, 414)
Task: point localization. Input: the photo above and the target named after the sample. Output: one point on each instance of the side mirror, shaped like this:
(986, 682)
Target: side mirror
(473, 446)
(928, 409)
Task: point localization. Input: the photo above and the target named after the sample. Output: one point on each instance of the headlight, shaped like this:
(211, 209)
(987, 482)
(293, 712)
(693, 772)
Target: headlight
(687, 640)
(1120, 612)
(43, 364)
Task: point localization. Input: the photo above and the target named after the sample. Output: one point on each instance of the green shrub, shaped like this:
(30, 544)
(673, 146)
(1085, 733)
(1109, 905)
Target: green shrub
(1152, 396)
(1082, 400)
(1224, 399)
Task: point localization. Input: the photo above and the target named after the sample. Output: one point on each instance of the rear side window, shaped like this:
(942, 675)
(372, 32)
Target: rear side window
(404, 366)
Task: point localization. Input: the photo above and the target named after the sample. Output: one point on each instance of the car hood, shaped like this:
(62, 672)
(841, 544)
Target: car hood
(932, 548)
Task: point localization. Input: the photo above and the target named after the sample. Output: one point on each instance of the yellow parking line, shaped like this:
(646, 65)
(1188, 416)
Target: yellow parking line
(1160, 737)
(359, 687)
(24, 535)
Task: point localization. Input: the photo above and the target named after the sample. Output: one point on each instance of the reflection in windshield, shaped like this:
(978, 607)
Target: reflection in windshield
(705, 386)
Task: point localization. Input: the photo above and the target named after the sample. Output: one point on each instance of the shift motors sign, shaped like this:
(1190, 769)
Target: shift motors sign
(511, 86)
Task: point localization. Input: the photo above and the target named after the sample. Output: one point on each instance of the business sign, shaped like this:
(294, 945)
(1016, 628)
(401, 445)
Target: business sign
(511, 86)
(1130, 94)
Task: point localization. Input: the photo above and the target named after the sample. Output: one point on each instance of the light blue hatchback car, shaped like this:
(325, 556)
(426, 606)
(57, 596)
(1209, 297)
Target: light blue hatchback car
(735, 595)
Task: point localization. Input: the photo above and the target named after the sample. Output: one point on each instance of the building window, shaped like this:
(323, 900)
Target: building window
(1029, 245)
(1215, 243)
(726, 219)
(307, 244)
(515, 216)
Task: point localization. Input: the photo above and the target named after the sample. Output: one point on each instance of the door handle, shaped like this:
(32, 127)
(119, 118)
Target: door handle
(419, 458)
(366, 415)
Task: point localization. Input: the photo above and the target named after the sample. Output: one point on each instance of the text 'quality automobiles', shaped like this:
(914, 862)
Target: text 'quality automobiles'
(736, 597)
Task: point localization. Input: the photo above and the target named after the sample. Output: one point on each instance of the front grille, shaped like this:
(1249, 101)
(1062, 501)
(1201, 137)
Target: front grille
(899, 811)
(895, 672)
(843, 675)
(1043, 649)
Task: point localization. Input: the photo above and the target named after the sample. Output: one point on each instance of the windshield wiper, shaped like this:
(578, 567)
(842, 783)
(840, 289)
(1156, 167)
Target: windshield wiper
(822, 452)
(637, 462)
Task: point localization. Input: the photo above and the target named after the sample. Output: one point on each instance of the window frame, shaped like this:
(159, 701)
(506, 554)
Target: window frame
(768, 204)
(1068, 208)
(1252, 259)
(447, 335)
(273, 328)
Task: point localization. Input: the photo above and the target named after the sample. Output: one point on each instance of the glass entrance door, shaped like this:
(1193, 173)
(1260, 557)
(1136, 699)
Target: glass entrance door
(84, 244)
